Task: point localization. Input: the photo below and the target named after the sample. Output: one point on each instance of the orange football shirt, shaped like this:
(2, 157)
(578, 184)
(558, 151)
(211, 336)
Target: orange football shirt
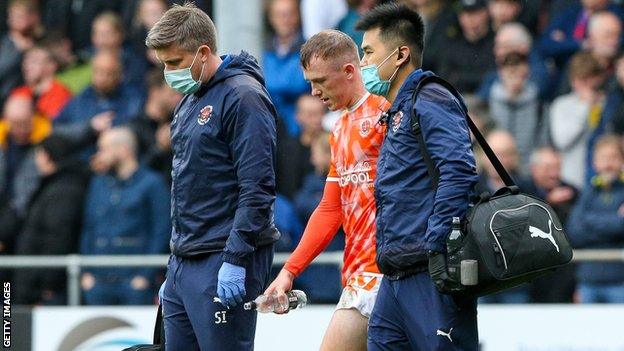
(355, 145)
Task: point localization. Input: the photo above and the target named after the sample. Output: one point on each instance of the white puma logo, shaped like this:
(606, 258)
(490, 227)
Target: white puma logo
(538, 233)
(442, 333)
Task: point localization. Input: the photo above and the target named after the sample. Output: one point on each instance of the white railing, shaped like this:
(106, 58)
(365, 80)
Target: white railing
(73, 264)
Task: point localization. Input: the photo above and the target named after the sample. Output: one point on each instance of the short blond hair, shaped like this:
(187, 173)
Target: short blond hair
(185, 25)
(327, 44)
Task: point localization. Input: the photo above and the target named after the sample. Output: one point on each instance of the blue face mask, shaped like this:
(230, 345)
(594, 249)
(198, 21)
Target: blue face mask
(181, 80)
(372, 80)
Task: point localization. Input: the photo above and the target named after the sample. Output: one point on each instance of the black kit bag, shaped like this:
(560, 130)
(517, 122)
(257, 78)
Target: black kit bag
(159, 336)
(514, 237)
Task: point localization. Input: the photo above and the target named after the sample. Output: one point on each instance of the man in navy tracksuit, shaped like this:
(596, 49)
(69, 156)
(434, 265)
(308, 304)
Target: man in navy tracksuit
(223, 139)
(413, 217)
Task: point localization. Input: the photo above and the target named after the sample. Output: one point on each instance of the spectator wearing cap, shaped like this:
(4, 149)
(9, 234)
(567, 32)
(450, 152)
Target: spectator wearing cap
(20, 130)
(280, 62)
(574, 117)
(50, 94)
(515, 38)
(24, 26)
(468, 57)
(52, 226)
(515, 106)
(106, 102)
(567, 31)
(126, 212)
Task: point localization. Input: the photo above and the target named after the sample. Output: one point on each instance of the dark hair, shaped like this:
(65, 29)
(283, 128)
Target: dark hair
(329, 43)
(398, 25)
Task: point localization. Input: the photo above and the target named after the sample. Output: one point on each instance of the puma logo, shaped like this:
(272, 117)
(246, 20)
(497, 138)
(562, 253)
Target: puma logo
(538, 233)
(442, 333)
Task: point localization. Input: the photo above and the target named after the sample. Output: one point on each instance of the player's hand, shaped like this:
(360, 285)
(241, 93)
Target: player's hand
(231, 284)
(437, 270)
(282, 283)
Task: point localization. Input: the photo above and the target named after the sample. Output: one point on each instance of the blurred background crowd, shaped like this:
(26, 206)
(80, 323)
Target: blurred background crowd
(85, 155)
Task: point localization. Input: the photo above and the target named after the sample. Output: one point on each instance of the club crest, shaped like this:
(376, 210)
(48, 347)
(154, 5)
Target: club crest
(396, 121)
(365, 127)
(204, 115)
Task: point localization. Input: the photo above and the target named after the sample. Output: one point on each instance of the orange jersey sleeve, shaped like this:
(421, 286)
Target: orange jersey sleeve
(320, 230)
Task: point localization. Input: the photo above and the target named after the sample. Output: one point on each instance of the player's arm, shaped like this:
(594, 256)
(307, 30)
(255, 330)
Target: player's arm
(319, 232)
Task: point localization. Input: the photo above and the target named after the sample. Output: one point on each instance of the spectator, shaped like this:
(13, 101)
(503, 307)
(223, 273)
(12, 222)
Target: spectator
(126, 212)
(284, 77)
(309, 196)
(468, 57)
(515, 106)
(288, 223)
(20, 130)
(147, 14)
(347, 23)
(75, 17)
(106, 101)
(293, 154)
(546, 184)
(575, 116)
(24, 27)
(515, 38)
(52, 226)
(152, 126)
(74, 73)
(440, 23)
(50, 94)
(504, 146)
(597, 222)
(603, 42)
(567, 31)
(108, 34)
(321, 14)
(613, 116)
(504, 11)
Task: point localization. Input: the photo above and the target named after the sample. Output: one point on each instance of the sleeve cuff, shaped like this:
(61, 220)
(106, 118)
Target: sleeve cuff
(237, 261)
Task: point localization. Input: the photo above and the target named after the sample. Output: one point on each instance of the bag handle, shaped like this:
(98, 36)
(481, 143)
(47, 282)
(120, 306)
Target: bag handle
(158, 327)
(432, 170)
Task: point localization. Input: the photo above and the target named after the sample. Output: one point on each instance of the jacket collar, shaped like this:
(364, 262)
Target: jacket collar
(407, 88)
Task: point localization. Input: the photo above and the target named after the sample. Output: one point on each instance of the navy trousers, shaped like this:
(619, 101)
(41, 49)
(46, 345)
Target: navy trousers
(411, 315)
(194, 320)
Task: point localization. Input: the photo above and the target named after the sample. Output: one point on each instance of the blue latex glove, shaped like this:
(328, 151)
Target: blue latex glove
(231, 284)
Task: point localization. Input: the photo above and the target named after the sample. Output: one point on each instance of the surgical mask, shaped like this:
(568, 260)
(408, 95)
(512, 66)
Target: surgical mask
(372, 80)
(181, 80)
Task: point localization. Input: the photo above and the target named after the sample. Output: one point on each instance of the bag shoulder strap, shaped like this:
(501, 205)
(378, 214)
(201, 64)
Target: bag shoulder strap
(434, 174)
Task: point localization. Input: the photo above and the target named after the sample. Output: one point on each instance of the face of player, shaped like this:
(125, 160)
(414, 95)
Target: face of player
(330, 81)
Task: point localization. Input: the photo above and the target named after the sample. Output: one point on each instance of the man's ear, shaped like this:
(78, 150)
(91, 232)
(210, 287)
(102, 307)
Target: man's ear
(205, 52)
(403, 56)
(349, 69)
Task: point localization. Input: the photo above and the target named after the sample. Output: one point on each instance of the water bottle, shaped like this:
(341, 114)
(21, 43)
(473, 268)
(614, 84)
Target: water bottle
(454, 240)
(453, 243)
(270, 303)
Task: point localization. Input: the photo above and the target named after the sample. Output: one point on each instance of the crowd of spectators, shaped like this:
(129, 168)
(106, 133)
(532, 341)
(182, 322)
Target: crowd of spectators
(85, 155)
